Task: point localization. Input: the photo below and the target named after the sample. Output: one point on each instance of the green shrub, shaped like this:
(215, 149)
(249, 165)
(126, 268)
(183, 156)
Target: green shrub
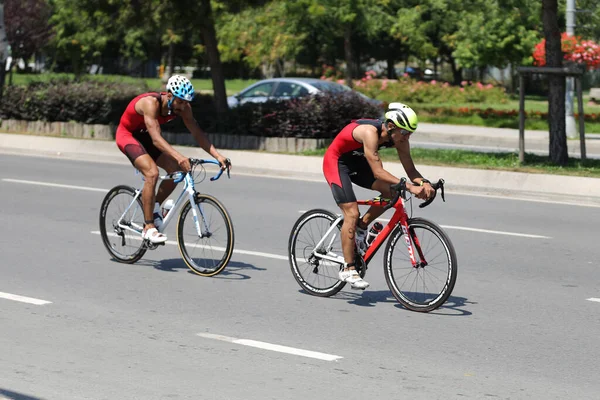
(103, 102)
(90, 102)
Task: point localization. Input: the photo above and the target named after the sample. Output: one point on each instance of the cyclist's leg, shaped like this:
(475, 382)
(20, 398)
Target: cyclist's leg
(363, 177)
(338, 177)
(146, 165)
(374, 211)
(348, 231)
(139, 157)
(166, 187)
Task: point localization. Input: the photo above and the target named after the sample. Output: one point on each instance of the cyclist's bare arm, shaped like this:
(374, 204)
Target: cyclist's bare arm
(368, 136)
(149, 107)
(403, 149)
(199, 135)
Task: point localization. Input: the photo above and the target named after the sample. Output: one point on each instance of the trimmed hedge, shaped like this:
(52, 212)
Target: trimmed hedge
(90, 102)
(95, 102)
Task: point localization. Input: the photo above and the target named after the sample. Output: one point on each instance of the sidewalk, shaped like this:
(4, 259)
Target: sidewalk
(460, 136)
(511, 184)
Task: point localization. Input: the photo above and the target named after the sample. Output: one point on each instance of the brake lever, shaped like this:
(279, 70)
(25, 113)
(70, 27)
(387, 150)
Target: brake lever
(438, 185)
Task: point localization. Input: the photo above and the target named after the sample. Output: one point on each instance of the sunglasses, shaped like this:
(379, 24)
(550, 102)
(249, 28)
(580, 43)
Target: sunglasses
(403, 132)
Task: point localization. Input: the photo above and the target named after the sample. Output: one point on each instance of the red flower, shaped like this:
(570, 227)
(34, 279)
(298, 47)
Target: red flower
(574, 48)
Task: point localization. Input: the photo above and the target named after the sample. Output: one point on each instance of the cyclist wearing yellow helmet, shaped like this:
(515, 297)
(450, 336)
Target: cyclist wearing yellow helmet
(353, 157)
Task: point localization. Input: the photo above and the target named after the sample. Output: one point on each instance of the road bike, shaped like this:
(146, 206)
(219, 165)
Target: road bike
(420, 270)
(204, 229)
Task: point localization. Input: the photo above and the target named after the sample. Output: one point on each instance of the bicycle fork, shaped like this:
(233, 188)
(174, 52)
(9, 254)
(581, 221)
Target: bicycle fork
(196, 209)
(409, 238)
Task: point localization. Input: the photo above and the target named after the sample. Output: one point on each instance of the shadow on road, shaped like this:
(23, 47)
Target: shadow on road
(8, 395)
(233, 270)
(454, 306)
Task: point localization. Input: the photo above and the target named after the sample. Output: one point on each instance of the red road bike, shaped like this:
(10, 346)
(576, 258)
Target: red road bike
(420, 272)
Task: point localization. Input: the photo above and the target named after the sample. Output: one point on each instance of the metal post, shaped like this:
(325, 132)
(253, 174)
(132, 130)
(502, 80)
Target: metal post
(581, 117)
(521, 118)
(569, 118)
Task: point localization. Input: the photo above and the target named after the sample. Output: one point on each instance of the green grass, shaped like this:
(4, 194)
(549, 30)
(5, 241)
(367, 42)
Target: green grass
(491, 161)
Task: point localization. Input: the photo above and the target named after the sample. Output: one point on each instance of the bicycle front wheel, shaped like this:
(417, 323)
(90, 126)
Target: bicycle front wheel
(428, 285)
(122, 231)
(207, 247)
(317, 276)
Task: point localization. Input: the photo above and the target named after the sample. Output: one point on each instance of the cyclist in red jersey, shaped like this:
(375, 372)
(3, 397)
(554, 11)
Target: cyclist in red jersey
(139, 138)
(353, 157)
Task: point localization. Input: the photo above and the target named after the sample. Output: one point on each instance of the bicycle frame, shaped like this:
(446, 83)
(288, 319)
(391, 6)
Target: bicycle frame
(399, 217)
(189, 192)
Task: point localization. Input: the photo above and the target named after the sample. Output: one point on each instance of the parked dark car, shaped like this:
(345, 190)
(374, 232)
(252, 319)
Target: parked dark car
(288, 88)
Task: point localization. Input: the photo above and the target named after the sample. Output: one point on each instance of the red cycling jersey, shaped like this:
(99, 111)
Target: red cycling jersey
(133, 122)
(344, 162)
(132, 135)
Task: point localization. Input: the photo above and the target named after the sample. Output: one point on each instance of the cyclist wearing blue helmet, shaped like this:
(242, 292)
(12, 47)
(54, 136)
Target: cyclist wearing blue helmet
(139, 138)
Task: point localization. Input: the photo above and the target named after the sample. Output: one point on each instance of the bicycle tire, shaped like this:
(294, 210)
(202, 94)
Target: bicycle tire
(111, 239)
(443, 280)
(310, 266)
(185, 247)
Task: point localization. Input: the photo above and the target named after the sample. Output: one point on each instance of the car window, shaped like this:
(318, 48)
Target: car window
(262, 90)
(289, 89)
(330, 87)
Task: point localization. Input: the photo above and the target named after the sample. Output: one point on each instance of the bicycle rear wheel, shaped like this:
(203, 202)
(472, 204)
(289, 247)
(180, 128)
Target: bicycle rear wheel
(122, 240)
(205, 255)
(427, 286)
(316, 276)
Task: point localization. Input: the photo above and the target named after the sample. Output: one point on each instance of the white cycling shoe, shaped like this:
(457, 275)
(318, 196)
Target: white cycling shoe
(154, 236)
(352, 277)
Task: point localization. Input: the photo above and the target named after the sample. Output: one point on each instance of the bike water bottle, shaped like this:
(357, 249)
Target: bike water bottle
(373, 232)
(167, 207)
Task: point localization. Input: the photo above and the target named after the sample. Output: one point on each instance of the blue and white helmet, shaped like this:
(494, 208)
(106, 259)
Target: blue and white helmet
(181, 87)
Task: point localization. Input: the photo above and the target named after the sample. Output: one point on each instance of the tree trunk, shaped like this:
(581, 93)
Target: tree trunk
(456, 72)
(391, 74)
(348, 53)
(170, 64)
(209, 37)
(3, 49)
(556, 84)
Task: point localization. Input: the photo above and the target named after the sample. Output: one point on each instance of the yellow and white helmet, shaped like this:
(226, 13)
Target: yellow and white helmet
(402, 116)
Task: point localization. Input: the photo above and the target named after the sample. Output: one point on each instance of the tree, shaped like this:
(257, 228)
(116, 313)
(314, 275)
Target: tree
(82, 32)
(27, 26)
(209, 37)
(556, 84)
(264, 37)
(497, 34)
(429, 29)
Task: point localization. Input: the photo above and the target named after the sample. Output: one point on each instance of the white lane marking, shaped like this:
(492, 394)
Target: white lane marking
(272, 347)
(526, 235)
(237, 251)
(58, 185)
(23, 299)
(464, 228)
(594, 299)
(491, 196)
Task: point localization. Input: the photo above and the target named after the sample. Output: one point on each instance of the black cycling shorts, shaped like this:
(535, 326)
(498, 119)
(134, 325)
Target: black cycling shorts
(350, 169)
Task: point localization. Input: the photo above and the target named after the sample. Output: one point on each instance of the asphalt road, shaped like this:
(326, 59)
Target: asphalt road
(519, 325)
